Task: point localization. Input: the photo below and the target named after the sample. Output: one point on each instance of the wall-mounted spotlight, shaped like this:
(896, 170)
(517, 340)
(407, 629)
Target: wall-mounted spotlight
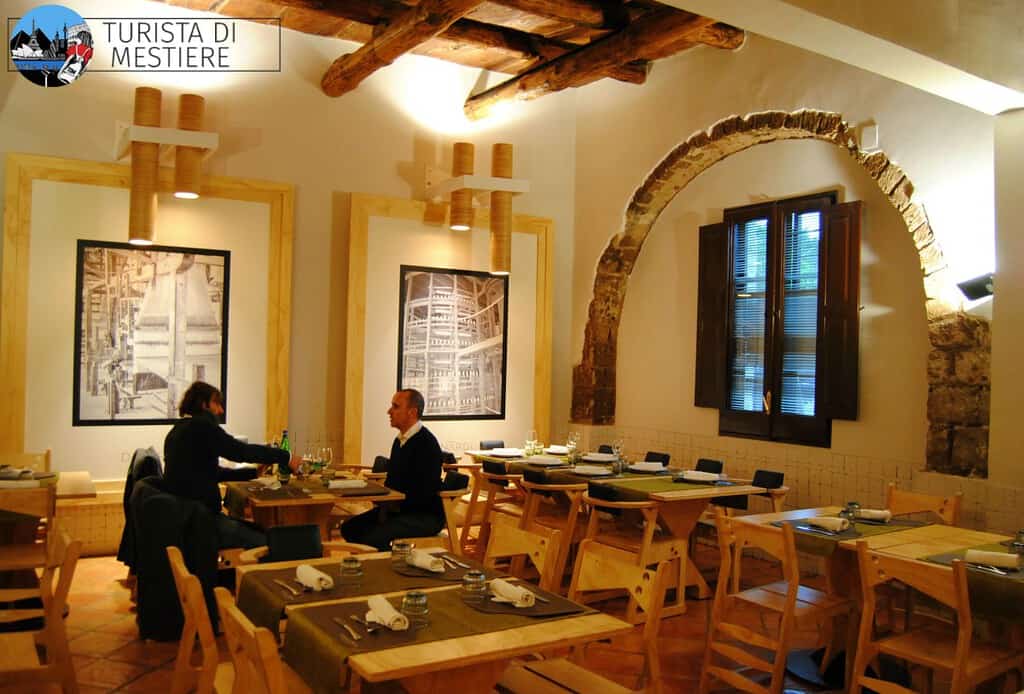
(978, 287)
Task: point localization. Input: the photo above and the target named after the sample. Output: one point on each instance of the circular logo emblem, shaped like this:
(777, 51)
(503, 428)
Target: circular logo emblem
(51, 46)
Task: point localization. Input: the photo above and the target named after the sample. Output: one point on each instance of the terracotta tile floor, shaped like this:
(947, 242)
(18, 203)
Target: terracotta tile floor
(109, 656)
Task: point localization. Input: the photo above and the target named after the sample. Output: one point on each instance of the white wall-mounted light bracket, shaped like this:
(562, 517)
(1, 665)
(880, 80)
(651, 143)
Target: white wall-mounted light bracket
(167, 138)
(440, 184)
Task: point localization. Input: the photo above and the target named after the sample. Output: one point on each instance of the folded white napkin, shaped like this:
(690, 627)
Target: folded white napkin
(509, 592)
(557, 450)
(313, 578)
(700, 476)
(381, 612)
(426, 561)
(15, 473)
(505, 452)
(648, 467)
(836, 525)
(875, 514)
(270, 482)
(600, 457)
(346, 484)
(1002, 560)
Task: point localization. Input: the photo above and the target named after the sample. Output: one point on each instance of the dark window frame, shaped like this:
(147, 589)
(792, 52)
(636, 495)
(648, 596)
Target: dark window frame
(836, 334)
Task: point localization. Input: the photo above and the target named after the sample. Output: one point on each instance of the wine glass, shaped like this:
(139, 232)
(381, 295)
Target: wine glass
(326, 456)
(570, 445)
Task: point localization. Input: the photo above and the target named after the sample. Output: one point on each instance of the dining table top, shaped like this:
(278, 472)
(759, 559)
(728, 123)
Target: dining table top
(306, 492)
(460, 645)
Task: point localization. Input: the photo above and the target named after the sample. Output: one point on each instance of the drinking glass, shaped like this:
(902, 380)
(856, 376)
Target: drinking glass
(851, 511)
(351, 571)
(1018, 541)
(400, 550)
(570, 444)
(326, 456)
(414, 606)
(474, 586)
(531, 443)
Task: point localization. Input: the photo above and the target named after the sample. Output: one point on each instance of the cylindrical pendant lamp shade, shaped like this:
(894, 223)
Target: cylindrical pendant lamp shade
(461, 216)
(188, 160)
(145, 170)
(501, 212)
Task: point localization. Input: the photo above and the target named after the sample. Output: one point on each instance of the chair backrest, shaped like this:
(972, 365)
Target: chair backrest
(36, 462)
(293, 542)
(491, 443)
(599, 567)
(900, 503)
(197, 626)
(942, 585)
(769, 479)
(453, 481)
(253, 650)
(46, 601)
(495, 472)
(380, 464)
(507, 540)
(734, 535)
(448, 458)
(605, 448)
(656, 457)
(708, 465)
(35, 502)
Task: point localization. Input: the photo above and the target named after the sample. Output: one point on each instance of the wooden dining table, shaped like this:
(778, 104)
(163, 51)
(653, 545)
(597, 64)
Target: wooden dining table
(299, 502)
(460, 647)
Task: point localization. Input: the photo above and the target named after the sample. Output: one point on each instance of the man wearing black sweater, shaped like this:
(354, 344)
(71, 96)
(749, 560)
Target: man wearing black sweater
(191, 468)
(415, 470)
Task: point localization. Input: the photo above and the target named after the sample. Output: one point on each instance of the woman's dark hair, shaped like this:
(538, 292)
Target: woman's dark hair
(197, 395)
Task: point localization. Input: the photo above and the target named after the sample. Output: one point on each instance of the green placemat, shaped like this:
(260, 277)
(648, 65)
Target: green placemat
(991, 595)
(317, 653)
(822, 545)
(263, 601)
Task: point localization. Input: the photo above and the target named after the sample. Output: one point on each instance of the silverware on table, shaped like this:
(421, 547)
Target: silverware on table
(344, 625)
(295, 593)
(816, 529)
(988, 567)
(540, 598)
(455, 562)
(370, 628)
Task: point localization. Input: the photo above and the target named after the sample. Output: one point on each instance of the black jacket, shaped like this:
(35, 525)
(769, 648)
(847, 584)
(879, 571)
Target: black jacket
(145, 463)
(191, 450)
(415, 470)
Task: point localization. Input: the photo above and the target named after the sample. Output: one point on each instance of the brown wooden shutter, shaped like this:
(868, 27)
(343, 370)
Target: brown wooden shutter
(839, 317)
(712, 316)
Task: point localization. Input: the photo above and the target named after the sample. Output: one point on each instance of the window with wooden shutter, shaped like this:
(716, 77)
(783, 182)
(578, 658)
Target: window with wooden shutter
(777, 330)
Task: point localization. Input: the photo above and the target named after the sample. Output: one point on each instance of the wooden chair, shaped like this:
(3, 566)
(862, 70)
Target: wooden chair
(509, 541)
(26, 537)
(19, 658)
(209, 675)
(948, 649)
(448, 538)
(540, 514)
(902, 503)
(597, 568)
(258, 667)
(640, 544)
(787, 599)
(498, 501)
(257, 555)
(36, 462)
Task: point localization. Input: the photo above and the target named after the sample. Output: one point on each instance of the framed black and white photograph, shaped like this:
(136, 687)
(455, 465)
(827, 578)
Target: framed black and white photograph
(149, 320)
(452, 344)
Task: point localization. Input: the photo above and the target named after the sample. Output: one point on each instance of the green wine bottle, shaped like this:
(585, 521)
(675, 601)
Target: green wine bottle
(284, 470)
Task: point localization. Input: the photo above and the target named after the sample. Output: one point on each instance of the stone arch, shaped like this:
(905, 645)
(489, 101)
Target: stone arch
(958, 373)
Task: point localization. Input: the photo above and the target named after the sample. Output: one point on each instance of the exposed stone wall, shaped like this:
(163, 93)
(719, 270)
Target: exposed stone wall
(958, 438)
(958, 395)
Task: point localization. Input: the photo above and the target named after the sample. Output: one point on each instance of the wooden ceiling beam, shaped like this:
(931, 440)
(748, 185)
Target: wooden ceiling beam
(532, 46)
(408, 30)
(609, 14)
(648, 35)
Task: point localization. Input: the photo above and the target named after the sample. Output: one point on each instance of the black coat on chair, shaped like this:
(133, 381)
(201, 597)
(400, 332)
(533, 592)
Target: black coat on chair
(160, 520)
(145, 463)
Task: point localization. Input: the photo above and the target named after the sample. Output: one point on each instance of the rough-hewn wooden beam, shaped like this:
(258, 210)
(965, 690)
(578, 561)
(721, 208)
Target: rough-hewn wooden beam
(646, 36)
(532, 46)
(411, 28)
(589, 13)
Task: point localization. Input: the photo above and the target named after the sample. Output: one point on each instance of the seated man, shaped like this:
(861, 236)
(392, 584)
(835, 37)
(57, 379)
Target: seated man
(414, 470)
(191, 470)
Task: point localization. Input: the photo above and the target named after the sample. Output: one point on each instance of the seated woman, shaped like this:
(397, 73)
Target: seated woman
(191, 450)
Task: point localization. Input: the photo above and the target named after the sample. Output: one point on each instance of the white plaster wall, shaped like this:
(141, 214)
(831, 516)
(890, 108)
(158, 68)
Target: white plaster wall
(657, 336)
(1006, 438)
(62, 213)
(281, 127)
(392, 243)
(945, 150)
